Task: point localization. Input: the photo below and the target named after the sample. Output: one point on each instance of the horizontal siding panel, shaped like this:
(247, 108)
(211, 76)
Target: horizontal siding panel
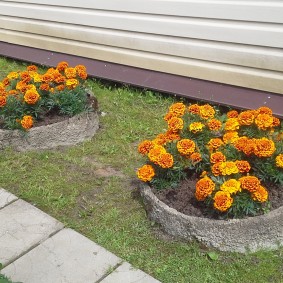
(228, 74)
(249, 56)
(257, 11)
(262, 34)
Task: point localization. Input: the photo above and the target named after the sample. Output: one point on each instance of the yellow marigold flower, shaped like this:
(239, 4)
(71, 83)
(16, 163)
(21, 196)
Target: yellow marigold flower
(196, 157)
(31, 97)
(70, 73)
(204, 188)
(228, 168)
(178, 109)
(214, 125)
(264, 147)
(214, 144)
(186, 146)
(3, 100)
(154, 153)
(27, 122)
(145, 146)
(243, 166)
(246, 118)
(196, 127)
(230, 137)
(37, 78)
(165, 160)
(232, 186)
(72, 83)
(194, 109)
(175, 124)
(206, 111)
(215, 169)
(264, 110)
(217, 157)
(232, 124)
(146, 173)
(279, 160)
(260, 195)
(222, 201)
(250, 183)
(232, 114)
(13, 75)
(264, 121)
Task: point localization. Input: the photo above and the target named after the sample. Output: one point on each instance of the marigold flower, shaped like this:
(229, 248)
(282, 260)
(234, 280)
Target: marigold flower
(217, 157)
(196, 157)
(60, 87)
(145, 146)
(279, 160)
(214, 125)
(178, 109)
(264, 147)
(264, 110)
(81, 71)
(243, 166)
(32, 68)
(241, 142)
(175, 124)
(13, 75)
(206, 111)
(70, 73)
(232, 186)
(246, 118)
(5, 82)
(276, 122)
(72, 83)
(154, 153)
(228, 168)
(194, 109)
(44, 86)
(215, 169)
(25, 76)
(196, 127)
(230, 137)
(204, 188)
(214, 144)
(260, 195)
(222, 201)
(146, 173)
(27, 122)
(31, 97)
(62, 66)
(250, 183)
(232, 114)
(3, 100)
(160, 139)
(22, 86)
(37, 78)
(186, 146)
(59, 79)
(171, 136)
(264, 121)
(232, 124)
(47, 78)
(165, 160)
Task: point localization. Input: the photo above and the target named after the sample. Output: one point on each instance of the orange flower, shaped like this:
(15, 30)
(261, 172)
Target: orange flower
(72, 83)
(232, 186)
(241, 142)
(264, 147)
(228, 168)
(60, 87)
(44, 86)
(196, 157)
(214, 125)
(186, 146)
(3, 100)
(6, 82)
(171, 136)
(250, 183)
(215, 169)
(168, 116)
(70, 73)
(222, 201)
(194, 109)
(177, 109)
(81, 70)
(232, 114)
(22, 86)
(154, 153)
(214, 144)
(47, 78)
(264, 121)
(276, 122)
(145, 146)
(59, 79)
(260, 195)
(204, 188)
(206, 111)
(175, 124)
(246, 118)
(243, 166)
(32, 68)
(196, 127)
(230, 137)
(146, 173)
(31, 97)
(161, 139)
(264, 110)
(217, 157)
(232, 124)
(165, 160)
(25, 77)
(62, 66)
(27, 122)
(279, 160)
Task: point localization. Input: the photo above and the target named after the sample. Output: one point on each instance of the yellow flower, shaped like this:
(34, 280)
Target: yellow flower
(230, 137)
(279, 160)
(196, 127)
(13, 75)
(72, 83)
(231, 186)
(228, 168)
(194, 108)
(146, 173)
(232, 114)
(232, 124)
(222, 201)
(70, 73)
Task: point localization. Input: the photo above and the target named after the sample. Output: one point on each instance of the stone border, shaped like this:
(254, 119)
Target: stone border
(239, 235)
(65, 133)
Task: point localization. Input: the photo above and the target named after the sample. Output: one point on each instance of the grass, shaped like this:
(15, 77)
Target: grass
(74, 185)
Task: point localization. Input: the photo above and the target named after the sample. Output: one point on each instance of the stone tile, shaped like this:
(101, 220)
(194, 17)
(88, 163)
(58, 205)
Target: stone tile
(125, 273)
(6, 198)
(66, 257)
(22, 227)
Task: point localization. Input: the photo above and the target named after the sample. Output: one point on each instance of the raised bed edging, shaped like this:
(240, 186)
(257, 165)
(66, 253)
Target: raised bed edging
(238, 235)
(65, 133)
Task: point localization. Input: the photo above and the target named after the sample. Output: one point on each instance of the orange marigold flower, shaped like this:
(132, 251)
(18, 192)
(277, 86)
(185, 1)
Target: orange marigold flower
(5, 82)
(70, 73)
(47, 78)
(168, 116)
(279, 160)
(13, 75)
(72, 83)
(145, 146)
(214, 125)
(60, 87)
(250, 183)
(204, 188)
(194, 109)
(165, 160)
(222, 201)
(260, 195)
(25, 77)
(264, 110)
(214, 144)
(62, 66)
(264, 147)
(32, 68)
(175, 124)
(232, 124)
(154, 153)
(243, 166)
(81, 70)
(217, 157)
(196, 157)
(228, 168)
(31, 97)
(206, 111)
(276, 122)
(44, 86)
(59, 79)
(160, 139)
(264, 121)
(13, 92)
(241, 142)
(232, 114)
(178, 109)
(246, 117)
(27, 122)
(196, 127)
(3, 100)
(230, 137)
(215, 169)
(146, 173)
(171, 136)
(232, 186)
(186, 146)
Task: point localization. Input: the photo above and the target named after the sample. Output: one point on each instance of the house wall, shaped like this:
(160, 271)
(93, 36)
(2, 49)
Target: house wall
(236, 42)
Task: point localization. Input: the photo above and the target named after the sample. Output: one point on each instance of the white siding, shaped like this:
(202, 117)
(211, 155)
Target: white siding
(234, 42)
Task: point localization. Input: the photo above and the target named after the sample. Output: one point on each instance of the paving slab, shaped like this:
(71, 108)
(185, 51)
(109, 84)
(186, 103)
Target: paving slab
(6, 198)
(23, 226)
(126, 273)
(66, 257)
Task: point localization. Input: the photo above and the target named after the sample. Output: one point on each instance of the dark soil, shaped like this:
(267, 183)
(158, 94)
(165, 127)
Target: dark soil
(183, 199)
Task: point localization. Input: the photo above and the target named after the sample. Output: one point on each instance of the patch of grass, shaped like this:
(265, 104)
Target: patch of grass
(105, 208)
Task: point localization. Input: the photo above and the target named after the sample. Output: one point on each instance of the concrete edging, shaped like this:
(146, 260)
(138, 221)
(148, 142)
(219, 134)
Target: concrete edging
(238, 235)
(65, 133)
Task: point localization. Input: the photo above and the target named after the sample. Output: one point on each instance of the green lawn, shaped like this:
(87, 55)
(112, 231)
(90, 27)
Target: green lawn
(90, 187)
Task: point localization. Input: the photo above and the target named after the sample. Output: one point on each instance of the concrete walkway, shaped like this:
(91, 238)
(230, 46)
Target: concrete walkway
(36, 248)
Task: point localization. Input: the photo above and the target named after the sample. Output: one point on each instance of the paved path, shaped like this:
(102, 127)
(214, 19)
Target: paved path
(36, 248)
